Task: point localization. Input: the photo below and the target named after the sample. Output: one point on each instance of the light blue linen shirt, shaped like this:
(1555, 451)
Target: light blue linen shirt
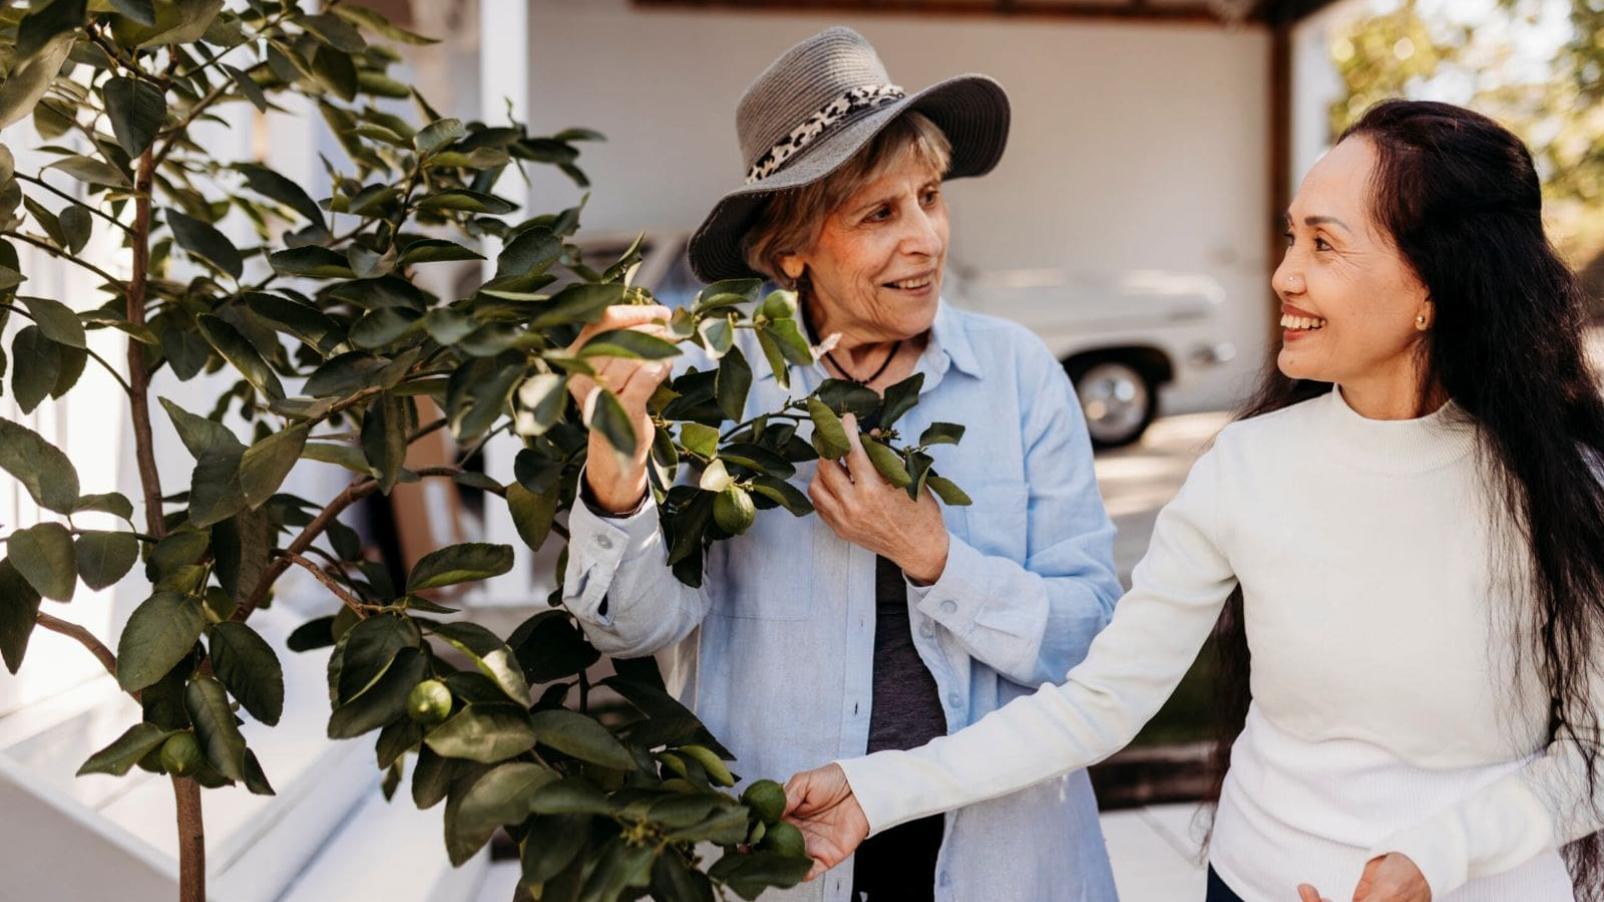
(775, 651)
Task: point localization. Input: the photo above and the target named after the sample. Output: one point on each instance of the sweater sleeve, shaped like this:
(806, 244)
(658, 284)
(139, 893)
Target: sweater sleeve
(1131, 668)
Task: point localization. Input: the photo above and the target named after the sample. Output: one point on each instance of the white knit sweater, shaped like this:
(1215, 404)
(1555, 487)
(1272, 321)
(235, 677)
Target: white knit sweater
(1390, 711)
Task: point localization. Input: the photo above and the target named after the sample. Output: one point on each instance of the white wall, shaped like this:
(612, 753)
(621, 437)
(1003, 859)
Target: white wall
(1133, 146)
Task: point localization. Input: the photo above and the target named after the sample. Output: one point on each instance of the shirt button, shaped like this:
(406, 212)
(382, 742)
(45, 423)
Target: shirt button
(955, 700)
(926, 630)
(949, 606)
(604, 543)
(946, 879)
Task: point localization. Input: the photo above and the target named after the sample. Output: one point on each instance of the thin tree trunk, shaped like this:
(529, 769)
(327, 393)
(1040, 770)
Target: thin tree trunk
(186, 792)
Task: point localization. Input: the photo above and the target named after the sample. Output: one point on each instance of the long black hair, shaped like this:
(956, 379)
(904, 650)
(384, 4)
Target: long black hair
(1460, 199)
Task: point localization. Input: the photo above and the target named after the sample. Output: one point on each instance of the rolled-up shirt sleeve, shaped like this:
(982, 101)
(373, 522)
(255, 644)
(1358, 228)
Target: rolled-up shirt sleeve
(1033, 620)
(618, 583)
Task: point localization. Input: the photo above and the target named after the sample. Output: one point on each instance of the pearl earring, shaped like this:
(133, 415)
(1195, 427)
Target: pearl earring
(1420, 322)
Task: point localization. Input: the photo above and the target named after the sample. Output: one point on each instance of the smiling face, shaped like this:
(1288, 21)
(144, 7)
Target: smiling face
(1350, 300)
(875, 269)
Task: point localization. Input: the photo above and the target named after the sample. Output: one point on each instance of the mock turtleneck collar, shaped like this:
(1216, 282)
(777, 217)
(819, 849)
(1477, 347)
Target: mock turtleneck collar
(1399, 446)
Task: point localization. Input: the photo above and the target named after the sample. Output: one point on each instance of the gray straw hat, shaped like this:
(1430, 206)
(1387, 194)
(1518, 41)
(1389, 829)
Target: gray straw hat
(812, 110)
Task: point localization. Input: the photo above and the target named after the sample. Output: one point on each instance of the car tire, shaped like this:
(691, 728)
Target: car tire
(1118, 398)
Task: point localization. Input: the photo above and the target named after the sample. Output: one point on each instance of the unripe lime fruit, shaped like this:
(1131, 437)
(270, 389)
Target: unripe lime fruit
(766, 798)
(181, 754)
(734, 511)
(429, 702)
(786, 839)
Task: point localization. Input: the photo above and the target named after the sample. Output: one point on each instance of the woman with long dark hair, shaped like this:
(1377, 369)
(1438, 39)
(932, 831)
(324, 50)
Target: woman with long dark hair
(1404, 534)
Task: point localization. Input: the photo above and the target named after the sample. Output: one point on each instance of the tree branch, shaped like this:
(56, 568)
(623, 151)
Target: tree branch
(339, 591)
(84, 638)
(58, 252)
(138, 375)
(73, 200)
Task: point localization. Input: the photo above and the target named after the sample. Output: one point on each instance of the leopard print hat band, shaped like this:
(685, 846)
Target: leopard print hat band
(836, 111)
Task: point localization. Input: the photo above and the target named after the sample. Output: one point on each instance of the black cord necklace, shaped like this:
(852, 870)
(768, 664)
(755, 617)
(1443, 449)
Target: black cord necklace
(895, 347)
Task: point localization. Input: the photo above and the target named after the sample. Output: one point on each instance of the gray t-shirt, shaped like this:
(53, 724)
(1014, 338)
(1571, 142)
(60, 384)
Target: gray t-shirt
(905, 711)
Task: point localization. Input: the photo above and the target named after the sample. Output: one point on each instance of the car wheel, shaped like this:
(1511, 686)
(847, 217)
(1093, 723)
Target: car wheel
(1118, 399)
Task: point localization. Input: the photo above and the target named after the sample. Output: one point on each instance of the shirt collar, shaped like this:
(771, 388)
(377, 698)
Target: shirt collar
(949, 344)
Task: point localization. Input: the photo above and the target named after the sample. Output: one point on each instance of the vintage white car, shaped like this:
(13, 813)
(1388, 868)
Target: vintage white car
(1120, 338)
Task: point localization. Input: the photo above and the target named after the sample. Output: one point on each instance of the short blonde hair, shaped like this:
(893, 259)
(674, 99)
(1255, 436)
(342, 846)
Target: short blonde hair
(790, 222)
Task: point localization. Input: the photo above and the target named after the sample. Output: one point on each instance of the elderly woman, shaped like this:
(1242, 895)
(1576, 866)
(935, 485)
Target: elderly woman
(883, 621)
(1409, 523)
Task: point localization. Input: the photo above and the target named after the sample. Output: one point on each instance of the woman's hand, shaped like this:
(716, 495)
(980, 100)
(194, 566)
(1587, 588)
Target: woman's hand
(619, 484)
(1392, 877)
(856, 501)
(821, 804)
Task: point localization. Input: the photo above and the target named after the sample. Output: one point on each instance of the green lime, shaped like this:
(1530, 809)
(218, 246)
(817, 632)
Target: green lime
(429, 702)
(733, 510)
(786, 839)
(181, 754)
(766, 798)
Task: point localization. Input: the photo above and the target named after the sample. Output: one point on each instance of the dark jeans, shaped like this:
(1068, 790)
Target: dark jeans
(899, 865)
(1218, 891)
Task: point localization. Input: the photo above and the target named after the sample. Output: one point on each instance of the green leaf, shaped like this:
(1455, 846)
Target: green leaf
(198, 433)
(941, 434)
(551, 843)
(378, 24)
(178, 22)
(241, 353)
(43, 470)
(255, 779)
(92, 171)
(751, 873)
(35, 367)
(733, 382)
(575, 734)
(607, 416)
(629, 344)
(22, 90)
(718, 333)
(43, 554)
(436, 250)
(830, 437)
(336, 71)
(502, 796)
(463, 200)
(136, 110)
(77, 226)
(700, 440)
(51, 21)
(184, 347)
(105, 557)
(141, 11)
(888, 462)
(384, 437)
(531, 253)
(783, 493)
(248, 87)
(776, 359)
(385, 702)
(459, 563)
(899, 399)
(948, 491)
(274, 186)
(550, 647)
(125, 751)
(621, 865)
(370, 649)
(206, 243)
(241, 548)
(788, 337)
(19, 610)
(312, 261)
(334, 31)
(247, 666)
(265, 464)
(219, 735)
(379, 327)
(114, 503)
(490, 655)
(159, 634)
(581, 302)
(532, 514)
(56, 320)
(304, 321)
(487, 733)
(438, 134)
